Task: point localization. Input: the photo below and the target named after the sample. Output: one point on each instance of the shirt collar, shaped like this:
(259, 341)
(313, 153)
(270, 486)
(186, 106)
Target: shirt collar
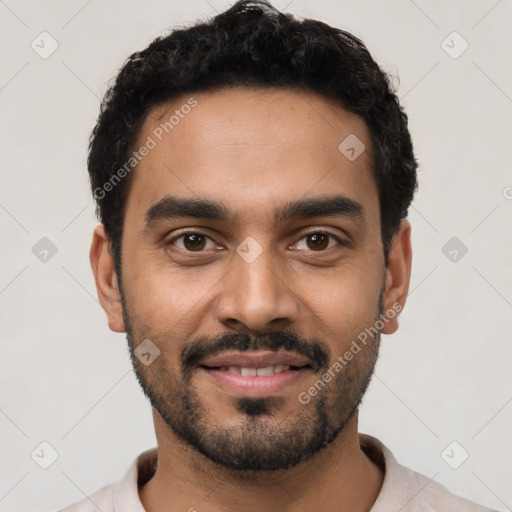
(126, 494)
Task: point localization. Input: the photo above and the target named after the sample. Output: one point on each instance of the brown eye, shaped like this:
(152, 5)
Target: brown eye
(194, 242)
(191, 242)
(318, 241)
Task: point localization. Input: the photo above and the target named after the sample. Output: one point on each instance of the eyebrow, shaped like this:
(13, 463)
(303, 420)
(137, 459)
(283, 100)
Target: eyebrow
(173, 207)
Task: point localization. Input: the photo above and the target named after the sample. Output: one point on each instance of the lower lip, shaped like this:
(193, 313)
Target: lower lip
(255, 386)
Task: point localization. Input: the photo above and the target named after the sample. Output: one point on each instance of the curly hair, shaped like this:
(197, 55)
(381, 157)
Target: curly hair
(252, 44)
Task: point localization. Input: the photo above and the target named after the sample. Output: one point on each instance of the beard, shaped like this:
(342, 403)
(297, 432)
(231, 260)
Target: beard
(265, 439)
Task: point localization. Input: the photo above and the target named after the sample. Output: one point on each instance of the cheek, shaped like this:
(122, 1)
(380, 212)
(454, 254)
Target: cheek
(344, 303)
(169, 299)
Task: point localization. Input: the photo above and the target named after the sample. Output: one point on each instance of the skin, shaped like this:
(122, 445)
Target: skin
(254, 150)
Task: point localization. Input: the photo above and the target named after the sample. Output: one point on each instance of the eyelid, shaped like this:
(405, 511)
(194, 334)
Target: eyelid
(326, 231)
(187, 231)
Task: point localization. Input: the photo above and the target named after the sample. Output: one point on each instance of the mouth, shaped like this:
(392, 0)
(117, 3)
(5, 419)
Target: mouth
(255, 374)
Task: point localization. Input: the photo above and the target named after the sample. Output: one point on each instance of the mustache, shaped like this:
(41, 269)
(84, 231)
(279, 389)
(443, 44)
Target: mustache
(315, 350)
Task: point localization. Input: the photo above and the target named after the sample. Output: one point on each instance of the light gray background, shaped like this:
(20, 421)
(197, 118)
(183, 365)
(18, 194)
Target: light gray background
(445, 376)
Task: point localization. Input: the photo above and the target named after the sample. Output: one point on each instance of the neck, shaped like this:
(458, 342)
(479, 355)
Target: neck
(340, 478)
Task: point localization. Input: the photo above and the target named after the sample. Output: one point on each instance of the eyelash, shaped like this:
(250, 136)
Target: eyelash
(314, 232)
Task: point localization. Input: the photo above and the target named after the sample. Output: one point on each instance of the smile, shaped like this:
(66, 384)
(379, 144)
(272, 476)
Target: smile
(255, 374)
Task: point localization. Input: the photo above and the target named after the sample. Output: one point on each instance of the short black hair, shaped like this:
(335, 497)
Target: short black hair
(251, 44)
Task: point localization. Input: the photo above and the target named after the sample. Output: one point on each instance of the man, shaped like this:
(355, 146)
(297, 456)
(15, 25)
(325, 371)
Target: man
(253, 176)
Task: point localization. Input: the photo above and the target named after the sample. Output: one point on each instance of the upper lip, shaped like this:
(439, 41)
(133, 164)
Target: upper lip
(257, 359)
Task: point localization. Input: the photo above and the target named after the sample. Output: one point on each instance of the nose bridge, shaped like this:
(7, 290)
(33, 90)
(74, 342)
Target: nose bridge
(258, 277)
(254, 293)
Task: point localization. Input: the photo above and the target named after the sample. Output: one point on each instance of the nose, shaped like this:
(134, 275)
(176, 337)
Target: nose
(255, 295)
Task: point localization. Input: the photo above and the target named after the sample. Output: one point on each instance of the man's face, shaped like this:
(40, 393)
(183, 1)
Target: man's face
(223, 297)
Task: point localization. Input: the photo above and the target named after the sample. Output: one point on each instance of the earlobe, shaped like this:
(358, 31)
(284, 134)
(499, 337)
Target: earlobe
(398, 275)
(105, 276)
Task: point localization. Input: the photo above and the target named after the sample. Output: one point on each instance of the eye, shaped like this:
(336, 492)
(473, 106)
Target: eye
(192, 241)
(319, 241)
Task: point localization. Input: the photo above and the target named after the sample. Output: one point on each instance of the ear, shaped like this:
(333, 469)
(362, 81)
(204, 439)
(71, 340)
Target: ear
(105, 276)
(398, 275)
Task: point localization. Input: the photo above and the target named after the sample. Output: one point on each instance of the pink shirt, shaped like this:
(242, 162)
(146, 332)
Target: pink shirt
(403, 490)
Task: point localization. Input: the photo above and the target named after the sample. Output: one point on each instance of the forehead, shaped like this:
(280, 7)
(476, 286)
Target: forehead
(252, 149)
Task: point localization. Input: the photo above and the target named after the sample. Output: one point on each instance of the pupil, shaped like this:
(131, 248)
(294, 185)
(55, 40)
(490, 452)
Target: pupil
(194, 242)
(319, 237)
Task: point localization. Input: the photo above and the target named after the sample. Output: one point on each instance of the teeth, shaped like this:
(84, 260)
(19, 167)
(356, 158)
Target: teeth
(252, 372)
(269, 370)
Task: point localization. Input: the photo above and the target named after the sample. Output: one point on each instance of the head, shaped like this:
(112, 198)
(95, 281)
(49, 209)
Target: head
(252, 176)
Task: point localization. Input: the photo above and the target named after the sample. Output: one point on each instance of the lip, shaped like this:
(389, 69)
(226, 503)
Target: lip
(258, 359)
(254, 386)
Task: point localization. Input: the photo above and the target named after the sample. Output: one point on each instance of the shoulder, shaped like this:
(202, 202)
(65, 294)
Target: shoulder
(103, 500)
(122, 495)
(430, 495)
(408, 491)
